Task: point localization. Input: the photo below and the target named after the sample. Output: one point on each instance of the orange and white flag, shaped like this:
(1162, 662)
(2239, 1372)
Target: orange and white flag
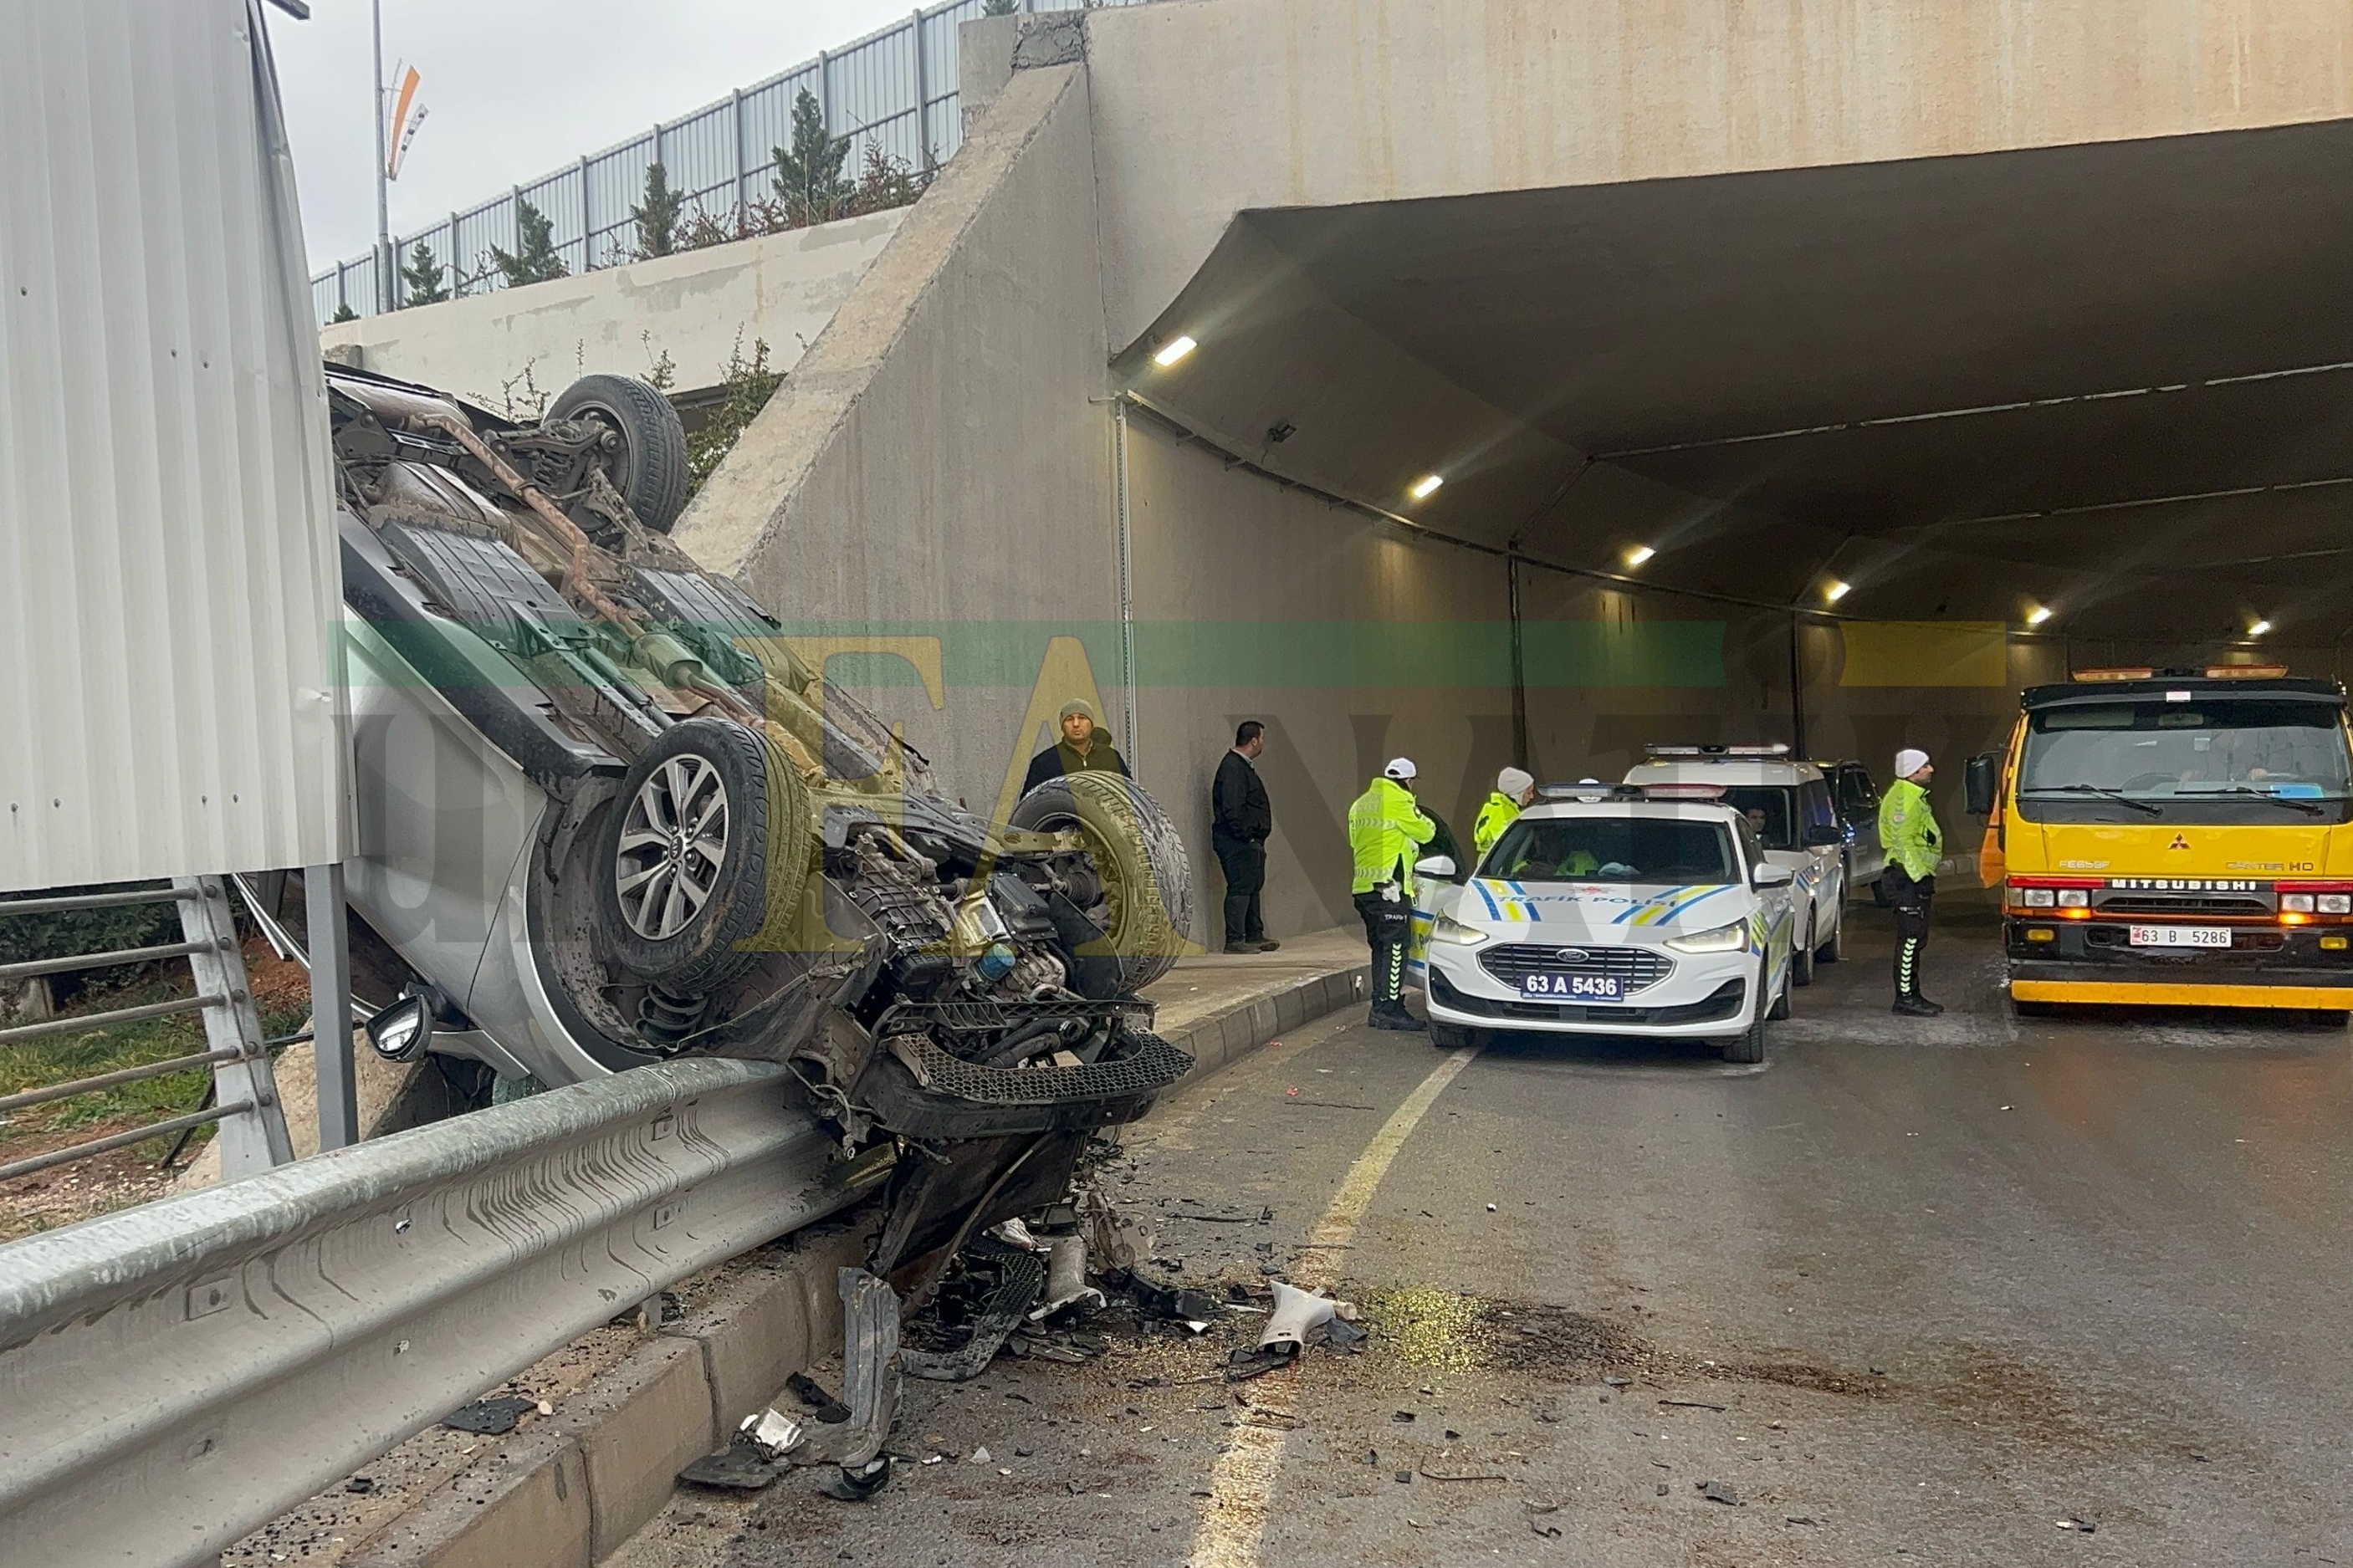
(407, 114)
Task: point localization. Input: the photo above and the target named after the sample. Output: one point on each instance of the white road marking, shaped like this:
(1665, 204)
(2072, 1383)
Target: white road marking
(1242, 1486)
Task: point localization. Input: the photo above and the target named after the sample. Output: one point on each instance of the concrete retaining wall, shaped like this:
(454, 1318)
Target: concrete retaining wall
(505, 349)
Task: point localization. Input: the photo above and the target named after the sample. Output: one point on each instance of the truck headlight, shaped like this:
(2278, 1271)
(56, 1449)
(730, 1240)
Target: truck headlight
(2337, 903)
(1723, 938)
(1446, 928)
(2073, 898)
(2034, 898)
(2300, 902)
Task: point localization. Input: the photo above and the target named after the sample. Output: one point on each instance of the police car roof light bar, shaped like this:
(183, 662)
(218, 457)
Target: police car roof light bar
(1777, 749)
(1681, 789)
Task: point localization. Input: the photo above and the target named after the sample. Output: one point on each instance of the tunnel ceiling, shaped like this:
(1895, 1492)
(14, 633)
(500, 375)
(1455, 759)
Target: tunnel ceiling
(1962, 384)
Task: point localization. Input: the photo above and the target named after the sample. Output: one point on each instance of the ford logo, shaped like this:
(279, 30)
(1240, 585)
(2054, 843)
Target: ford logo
(1572, 955)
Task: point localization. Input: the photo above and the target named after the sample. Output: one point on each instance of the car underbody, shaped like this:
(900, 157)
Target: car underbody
(708, 848)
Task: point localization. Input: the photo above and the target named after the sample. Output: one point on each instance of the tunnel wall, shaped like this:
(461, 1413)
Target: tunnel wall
(1361, 101)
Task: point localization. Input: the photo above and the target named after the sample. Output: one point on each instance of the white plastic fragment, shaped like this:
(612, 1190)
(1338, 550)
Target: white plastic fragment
(1296, 1312)
(776, 1433)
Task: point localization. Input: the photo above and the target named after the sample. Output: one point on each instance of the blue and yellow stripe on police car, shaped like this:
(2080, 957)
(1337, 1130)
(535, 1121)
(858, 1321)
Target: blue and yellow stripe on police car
(1667, 906)
(1509, 907)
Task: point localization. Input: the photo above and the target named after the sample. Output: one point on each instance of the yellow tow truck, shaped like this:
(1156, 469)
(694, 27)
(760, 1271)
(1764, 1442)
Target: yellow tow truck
(2183, 838)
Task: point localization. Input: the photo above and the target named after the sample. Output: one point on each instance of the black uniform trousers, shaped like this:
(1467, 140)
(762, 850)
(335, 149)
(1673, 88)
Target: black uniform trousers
(1389, 927)
(1245, 863)
(1910, 901)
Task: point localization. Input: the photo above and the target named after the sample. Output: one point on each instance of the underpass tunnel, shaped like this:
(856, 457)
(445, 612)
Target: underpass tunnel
(1840, 455)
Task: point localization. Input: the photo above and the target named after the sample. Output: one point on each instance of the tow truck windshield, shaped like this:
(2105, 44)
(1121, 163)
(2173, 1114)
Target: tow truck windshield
(2211, 759)
(1613, 849)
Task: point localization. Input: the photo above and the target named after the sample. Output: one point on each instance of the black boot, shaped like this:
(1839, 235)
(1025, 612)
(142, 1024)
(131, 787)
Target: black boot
(1393, 1016)
(1916, 1007)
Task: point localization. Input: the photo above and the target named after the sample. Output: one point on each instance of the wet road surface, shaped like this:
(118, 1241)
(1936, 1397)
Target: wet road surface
(1910, 1291)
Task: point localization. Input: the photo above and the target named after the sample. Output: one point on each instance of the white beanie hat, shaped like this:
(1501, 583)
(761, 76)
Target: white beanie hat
(1513, 781)
(1400, 768)
(1910, 761)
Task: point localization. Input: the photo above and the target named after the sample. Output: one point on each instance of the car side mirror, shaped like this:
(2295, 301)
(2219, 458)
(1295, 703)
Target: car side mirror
(1980, 782)
(401, 1032)
(1439, 865)
(1766, 876)
(1822, 835)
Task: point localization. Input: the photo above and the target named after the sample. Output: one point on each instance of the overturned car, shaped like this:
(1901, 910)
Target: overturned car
(608, 817)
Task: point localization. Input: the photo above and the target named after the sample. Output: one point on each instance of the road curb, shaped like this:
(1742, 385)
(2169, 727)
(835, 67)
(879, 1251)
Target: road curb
(571, 1489)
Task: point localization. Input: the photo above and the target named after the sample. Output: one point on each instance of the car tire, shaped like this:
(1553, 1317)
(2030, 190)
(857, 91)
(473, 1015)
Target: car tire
(1139, 856)
(1834, 950)
(650, 468)
(1802, 962)
(2034, 1009)
(1747, 1047)
(2330, 1017)
(1784, 1004)
(750, 872)
(1450, 1036)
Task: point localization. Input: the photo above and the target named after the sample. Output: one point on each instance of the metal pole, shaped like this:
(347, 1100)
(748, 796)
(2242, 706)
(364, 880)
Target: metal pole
(1797, 692)
(1126, 583)
(587, 221)
(735, 122)
(383, 187)
(330, 1008)
(922, 88)
(1519, 666)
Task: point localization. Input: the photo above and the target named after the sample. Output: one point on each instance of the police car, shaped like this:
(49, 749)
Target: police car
(1611, 910)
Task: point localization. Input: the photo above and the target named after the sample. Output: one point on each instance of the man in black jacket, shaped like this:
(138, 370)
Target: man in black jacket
(1083, 748)
(1239, 819)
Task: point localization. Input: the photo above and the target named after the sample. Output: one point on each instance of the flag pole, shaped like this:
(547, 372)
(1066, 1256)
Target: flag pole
(384, 295)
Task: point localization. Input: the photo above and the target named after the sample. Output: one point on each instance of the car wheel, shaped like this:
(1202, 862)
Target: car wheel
(1833, 950)
(1782, 1003)
(2034, 1009)
(2331, 1017)
(1802, 962)
(649, 468)
(1450, 1036)
(706, 847)
(1136, 851)
(1748, 1046)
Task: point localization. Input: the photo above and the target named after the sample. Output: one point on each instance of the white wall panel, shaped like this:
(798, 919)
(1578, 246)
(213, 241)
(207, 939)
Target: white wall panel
(168, 577)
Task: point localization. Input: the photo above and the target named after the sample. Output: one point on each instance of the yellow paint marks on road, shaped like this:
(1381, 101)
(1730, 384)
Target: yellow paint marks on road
(1233, 1521)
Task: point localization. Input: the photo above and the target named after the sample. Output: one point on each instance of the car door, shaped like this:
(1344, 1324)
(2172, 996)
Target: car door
(1432, 897)
(1816, 809)
(1776, 904)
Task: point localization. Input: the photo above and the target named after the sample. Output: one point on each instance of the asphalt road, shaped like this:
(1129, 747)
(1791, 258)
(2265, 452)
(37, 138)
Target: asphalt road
(1951, 1283)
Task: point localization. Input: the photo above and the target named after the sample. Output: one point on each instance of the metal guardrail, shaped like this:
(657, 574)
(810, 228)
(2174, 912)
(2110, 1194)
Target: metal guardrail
(244, 1099)
(174, 1376)
(895, 90)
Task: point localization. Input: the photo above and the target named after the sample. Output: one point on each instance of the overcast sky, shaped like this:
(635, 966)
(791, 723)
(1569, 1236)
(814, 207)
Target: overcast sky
(517, 87)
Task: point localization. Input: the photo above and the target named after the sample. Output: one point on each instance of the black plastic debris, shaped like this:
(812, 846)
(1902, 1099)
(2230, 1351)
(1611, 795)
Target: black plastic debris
(856, 1483)
(1256, 1362)
(362, 1485)
(745, 1465)
(811, 1393)
(1720, 1491)
(489, 1417)
(975, 1313)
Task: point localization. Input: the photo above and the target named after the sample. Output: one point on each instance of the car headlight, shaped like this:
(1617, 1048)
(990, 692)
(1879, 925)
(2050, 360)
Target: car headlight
(1446, 928)
(1723, 938)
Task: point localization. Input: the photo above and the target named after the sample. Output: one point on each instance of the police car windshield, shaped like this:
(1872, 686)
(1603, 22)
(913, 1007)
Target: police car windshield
(1612, 849)
(1772, 810)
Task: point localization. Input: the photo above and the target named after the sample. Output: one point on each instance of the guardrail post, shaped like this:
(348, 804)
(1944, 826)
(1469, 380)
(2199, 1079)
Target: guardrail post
(254, 1139)
(735, 122)
(923, 90)
(588, 222)
(330, 1008)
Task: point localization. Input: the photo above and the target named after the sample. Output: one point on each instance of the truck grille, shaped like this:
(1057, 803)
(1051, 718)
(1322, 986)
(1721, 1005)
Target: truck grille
(1515, 961)
(2184, 904)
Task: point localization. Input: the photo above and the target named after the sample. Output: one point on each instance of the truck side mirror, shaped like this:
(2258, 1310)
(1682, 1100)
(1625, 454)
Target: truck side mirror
(1980, 781)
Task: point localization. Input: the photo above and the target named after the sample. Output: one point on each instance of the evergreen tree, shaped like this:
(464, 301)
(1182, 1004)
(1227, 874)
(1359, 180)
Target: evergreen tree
(533, 259)
(809, 186)
(997, 8)
(345, 313)
(657, 218)
(427, 278)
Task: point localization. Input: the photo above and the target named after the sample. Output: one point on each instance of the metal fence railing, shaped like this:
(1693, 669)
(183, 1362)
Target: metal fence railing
(243, 1098)
(893, 92)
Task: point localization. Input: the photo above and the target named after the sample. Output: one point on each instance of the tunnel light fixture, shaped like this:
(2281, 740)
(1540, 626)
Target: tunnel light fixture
(1837, 591)
(1424, 487)
(2258, 629)
(2038, 615)
(1640, 553)
(1176, 349)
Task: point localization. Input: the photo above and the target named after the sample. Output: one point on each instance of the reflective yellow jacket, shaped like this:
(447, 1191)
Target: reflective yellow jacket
(1498, 814)
(1385, 827)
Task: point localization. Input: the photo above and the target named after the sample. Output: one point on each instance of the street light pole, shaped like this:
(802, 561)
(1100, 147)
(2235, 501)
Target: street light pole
(383, 192)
